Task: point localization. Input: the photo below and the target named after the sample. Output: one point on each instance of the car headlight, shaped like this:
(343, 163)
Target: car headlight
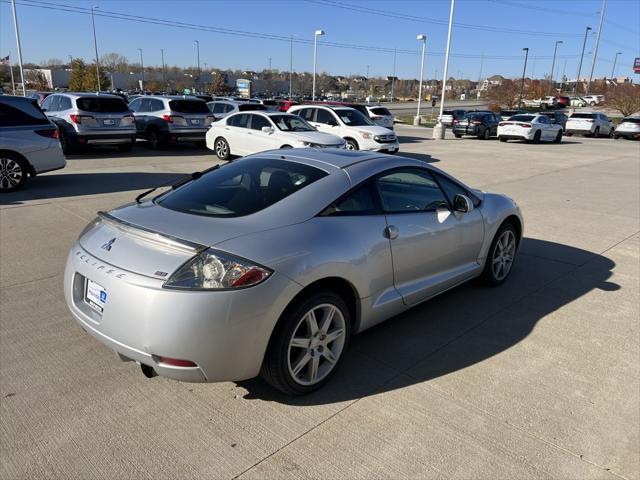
(215, 270)
(366, 135)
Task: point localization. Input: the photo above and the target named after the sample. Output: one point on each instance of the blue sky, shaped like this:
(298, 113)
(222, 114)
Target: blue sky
(499, 29)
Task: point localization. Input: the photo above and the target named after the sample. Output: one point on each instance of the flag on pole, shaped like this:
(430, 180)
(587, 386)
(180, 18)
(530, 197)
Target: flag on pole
(4, 60)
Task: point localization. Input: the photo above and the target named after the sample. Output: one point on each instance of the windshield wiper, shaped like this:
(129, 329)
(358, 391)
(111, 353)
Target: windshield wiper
(182, 181)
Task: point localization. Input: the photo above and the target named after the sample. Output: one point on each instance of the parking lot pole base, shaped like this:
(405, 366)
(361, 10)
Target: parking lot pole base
(438, 131)
(417, 120)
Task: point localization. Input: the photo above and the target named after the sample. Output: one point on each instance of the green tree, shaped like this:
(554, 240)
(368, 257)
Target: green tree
(78, 72)
(89, 83)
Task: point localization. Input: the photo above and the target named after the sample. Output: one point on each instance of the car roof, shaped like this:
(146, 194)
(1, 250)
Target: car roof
(337, 158)
(88, 94)
(15, 99)
(174, 97)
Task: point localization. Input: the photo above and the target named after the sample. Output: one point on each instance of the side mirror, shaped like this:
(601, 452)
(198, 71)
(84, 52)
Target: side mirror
(267, 130)
(332, 123)
(462, 203)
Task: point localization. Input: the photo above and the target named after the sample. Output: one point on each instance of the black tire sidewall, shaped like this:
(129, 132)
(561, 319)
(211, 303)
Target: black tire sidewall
(276, 358)
(352, 142)
(488, 276)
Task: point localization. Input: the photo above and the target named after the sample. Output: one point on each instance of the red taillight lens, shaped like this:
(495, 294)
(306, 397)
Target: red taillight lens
(75, 118)
(525, 125)
(49, 133)
(175, 362)
(455, 121)
(86, 119)
(168, 118)
(251, 277)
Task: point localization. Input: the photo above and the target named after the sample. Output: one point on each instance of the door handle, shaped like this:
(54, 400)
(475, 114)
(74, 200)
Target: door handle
(391, 232)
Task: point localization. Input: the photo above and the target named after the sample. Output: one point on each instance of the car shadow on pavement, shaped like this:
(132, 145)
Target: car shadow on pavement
(460, 328)
(141, 149)
(408, 139)
(76, 184)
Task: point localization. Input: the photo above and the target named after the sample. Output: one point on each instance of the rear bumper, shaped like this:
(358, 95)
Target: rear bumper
(624, 134)
(513, 137)
(225, 333)
(579, 131)
(177, 136)
(106, 138)
(472, 130)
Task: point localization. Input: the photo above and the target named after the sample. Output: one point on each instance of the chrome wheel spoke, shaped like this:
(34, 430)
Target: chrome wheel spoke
(299, 342)
(313, 370)
(312, 322)
(334, 335)
(301, 363)
(328, 354)
(327, 319)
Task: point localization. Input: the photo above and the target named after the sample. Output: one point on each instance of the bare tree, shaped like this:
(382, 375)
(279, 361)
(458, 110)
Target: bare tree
(505, 94)
(625, 98)
(114, 62)
(52, 63)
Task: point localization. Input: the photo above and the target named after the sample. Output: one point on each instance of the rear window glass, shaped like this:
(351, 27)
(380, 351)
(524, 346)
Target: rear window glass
(522, 118)
(241, 188)
(475, 116)
(188, 106)
(582, 115)
(245, 107)
(21, 113)
(380, 111)
(630, 120)
(102, 105)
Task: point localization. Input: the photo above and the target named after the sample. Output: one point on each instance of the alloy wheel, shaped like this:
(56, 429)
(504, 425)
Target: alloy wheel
(503, 255)
(222, 150)
(11, 173)
(316, 344)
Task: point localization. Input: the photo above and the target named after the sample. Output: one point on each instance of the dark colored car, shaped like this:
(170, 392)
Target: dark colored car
(483, 125)
(558, 118)
(507, 114)
(449, 117)
(563, 102)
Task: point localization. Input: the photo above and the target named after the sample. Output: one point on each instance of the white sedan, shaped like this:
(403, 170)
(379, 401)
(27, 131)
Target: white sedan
(530, 128)
(245, 133)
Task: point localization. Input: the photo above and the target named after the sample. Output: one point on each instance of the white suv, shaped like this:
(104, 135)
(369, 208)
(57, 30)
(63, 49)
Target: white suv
(380, 116)
(593, 99)
(359, 132)
(590, 123)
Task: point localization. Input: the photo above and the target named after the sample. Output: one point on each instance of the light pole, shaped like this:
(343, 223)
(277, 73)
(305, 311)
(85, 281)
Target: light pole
(393, 77)
(421, 38)
(198, 55)
(95, 46)
(439, 129)
(524, 70)
(291, 68)
(615, 60)
(15, 25)
(316, 34)
(142, 69)
(70, 60)
(164, 72)
(553, 65)
(595, 52)
(584, 44)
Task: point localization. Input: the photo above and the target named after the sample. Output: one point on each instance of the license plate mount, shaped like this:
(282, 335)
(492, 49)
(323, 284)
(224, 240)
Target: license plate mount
(95, 295)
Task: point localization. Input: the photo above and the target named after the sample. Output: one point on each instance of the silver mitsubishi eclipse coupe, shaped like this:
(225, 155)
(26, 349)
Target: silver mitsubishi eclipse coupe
(267, 265)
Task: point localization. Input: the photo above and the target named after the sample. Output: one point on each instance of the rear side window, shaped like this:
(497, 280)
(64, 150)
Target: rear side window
(306, 113)
(218, 108)
(102, 105)
(359, 202)
(241, 121)
(156, 105)
(188, 106)
(380, 111)
(21, 114)
(324, 116)
(241, 188)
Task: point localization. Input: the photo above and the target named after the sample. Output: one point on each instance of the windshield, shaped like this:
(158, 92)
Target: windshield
(582, 115)
(353, 118)
(241, 188)
(522, 118)
(102, 105)
(188, 106)
(291, 123)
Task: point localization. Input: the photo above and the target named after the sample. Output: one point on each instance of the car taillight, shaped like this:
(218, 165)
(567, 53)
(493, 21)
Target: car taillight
(177, 119)
(475, 122)
(127, 121)
(83, 120)
(176, 362)
(455, 121)
(525, 125)
(49, 133)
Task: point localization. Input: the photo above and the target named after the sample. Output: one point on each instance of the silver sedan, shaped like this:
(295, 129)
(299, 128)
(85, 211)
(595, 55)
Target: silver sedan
(269, 264)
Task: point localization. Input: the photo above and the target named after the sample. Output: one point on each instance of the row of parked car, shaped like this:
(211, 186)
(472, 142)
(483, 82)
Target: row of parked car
(536, 127)
(67, 122)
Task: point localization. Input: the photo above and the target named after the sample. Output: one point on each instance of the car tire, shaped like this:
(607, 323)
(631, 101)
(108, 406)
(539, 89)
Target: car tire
(611, 133)
(156, 139)
(285, 146)
(289, 365)
(351, 144)
(502, 139)
(125, 147)
(558, 137)
(596, 132)
(67, 145)
(593, 104)
(616, 137)
(221, 147)
(537, 136)
(568, 134)
(457, 135)
(14, 171)
(486, 134)
(501, 256)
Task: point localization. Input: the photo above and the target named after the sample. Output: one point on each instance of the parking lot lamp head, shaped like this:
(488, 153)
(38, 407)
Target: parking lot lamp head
(316, 34)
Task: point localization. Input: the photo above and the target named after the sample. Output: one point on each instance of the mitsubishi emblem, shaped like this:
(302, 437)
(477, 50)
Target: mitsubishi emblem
(107, 246)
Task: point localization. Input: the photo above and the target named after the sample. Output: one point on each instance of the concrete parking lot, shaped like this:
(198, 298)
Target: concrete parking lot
(538, 378)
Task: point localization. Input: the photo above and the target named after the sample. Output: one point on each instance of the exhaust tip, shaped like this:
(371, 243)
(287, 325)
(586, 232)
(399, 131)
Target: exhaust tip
(148, 371)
